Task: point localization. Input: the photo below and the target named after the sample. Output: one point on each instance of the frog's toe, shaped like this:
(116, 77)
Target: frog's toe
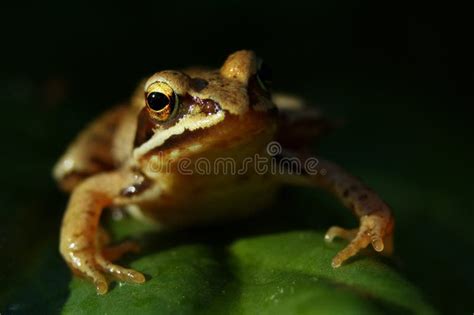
(373, 230)
(338, 232)
(83, 264)
(113, 253)
(359, 242)
(99, 281)
(118, 272)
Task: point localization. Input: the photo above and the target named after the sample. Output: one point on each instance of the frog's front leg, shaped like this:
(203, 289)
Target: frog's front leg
(376, 221)
(81, 239)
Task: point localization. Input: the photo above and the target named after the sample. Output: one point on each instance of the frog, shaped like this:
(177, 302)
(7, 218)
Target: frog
(131, 158)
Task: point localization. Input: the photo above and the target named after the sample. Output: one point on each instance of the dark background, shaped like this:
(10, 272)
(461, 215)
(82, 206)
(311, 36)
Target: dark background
(399, 74)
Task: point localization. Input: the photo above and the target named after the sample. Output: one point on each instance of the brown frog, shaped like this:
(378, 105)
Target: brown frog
(144, 158)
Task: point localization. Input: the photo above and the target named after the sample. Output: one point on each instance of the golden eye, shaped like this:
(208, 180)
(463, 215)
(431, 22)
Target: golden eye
(161, 100)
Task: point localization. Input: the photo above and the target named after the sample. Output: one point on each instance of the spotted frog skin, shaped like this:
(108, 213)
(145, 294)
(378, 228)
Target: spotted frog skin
(128, 158)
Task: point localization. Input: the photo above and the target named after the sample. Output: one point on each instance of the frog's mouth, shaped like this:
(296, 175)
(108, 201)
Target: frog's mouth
(235, 136)
(186, 126)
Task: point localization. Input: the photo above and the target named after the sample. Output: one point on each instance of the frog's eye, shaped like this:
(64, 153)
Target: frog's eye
(161, 100)
(264, 75)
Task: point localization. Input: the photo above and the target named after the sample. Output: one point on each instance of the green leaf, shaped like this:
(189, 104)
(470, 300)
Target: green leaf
(287, 273)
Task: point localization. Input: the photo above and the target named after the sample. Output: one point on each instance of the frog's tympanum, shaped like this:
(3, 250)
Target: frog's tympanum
(141, 157)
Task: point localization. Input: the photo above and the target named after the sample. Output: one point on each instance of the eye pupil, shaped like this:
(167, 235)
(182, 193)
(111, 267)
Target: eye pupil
(157, 101)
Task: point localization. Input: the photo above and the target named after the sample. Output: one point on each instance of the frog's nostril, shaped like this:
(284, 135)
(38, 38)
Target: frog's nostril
(198, 84)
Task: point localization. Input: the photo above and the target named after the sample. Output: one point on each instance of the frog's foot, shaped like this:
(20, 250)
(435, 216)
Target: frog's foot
(96, 265)
(373, 230)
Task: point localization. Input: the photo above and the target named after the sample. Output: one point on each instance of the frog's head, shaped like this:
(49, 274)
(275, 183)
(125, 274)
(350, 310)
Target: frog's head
(193, 110)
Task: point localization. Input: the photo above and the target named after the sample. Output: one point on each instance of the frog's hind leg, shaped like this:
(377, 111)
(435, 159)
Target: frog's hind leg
(91, 152)
(300, 125)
